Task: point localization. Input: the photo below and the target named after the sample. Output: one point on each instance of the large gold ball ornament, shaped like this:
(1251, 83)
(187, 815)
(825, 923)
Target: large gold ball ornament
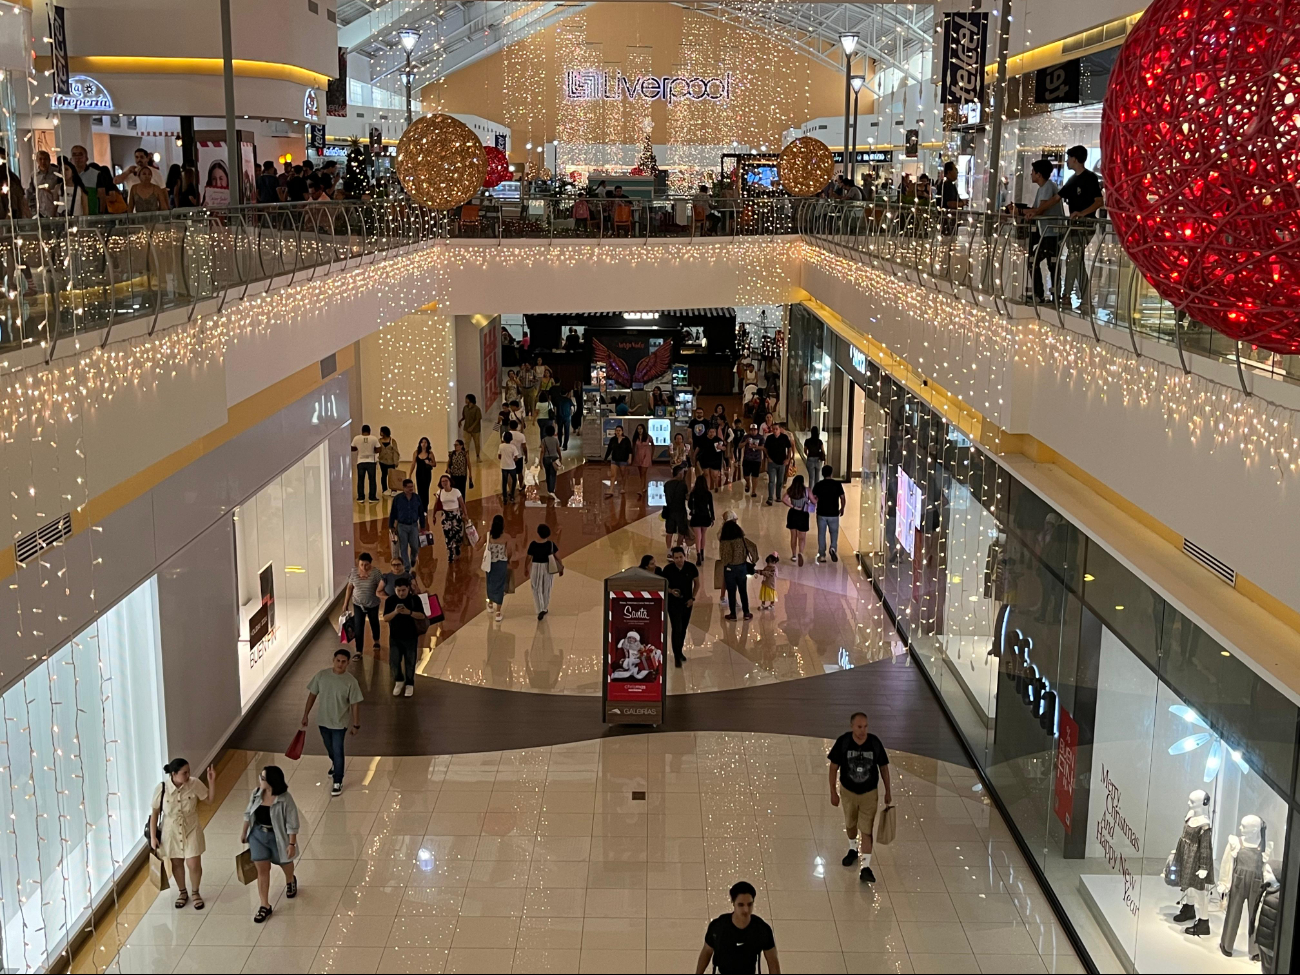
(440, 161)
(805, 166)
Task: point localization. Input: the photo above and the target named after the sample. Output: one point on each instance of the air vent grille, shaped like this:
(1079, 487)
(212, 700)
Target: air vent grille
(1221, 569)
(33, 543)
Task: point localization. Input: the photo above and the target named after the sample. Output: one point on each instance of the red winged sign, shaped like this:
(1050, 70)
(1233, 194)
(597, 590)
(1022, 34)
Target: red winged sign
(655, 364)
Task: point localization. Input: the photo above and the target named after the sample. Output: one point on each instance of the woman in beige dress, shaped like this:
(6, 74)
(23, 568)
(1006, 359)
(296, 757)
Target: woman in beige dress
(179, 837)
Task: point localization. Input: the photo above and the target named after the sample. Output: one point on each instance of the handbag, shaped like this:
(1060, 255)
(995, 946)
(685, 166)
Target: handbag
(887, 828)
(471, 533)
(244, 868)
(1170, 872)
(718, 579)
(294, 751)
(162, 794)
(432, 607)
(486, 562)
(553, 564)
(347, 629)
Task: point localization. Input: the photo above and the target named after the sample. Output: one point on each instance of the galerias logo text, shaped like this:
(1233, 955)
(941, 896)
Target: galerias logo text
(589, 84)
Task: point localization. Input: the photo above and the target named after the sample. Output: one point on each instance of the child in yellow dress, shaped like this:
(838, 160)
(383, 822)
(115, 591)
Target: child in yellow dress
(767, 591)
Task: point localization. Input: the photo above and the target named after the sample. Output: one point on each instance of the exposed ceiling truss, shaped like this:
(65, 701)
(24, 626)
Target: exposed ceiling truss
(455, 34)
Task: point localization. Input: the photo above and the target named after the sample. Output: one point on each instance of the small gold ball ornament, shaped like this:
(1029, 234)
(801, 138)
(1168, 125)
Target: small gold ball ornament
(805, 166)
(440, 161)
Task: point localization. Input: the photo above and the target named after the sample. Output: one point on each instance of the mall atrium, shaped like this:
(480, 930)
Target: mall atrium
(632, 486)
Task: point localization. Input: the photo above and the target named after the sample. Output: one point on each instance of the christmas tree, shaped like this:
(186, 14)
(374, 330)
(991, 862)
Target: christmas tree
(356, 171)
(647, 162)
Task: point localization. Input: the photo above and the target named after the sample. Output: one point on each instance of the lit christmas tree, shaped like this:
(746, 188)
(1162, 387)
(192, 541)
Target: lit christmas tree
(356, 170)
(646, 162)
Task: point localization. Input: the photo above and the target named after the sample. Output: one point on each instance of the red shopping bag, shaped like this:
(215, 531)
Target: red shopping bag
(294, 751)
(434, 608)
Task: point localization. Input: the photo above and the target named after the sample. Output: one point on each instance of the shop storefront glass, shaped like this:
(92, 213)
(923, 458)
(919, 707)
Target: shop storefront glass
(283, 573)
(81, 754)
(1129, 749)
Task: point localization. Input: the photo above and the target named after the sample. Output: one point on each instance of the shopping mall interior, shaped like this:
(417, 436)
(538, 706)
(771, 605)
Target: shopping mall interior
(653, 487)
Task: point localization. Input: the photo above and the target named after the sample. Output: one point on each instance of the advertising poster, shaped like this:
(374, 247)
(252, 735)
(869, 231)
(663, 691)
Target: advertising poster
(635, 638)
(1067, 751)
(965, 35)
(336, 92)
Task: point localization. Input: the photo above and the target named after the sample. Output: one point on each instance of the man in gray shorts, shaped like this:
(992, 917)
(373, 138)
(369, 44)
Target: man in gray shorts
(858, 760)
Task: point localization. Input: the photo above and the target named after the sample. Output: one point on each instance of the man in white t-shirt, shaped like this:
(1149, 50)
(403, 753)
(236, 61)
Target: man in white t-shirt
(366, 448)
(131, 175)
(508, 455)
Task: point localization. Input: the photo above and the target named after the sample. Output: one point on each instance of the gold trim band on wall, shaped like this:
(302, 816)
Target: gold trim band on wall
(207, 67)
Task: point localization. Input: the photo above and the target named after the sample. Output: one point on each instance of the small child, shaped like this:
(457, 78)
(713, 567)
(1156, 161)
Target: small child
(767, 591)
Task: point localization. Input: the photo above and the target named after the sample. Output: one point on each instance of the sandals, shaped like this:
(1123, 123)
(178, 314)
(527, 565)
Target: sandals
(262, 914)
(198, 901)
(182, 898)
(291, 889)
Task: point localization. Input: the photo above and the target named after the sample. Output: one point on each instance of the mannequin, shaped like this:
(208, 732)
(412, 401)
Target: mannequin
(1245, 872)
(1195, 858)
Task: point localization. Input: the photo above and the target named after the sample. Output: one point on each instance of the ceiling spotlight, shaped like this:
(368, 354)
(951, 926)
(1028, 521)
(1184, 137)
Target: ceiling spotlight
(409, 37)
(849, 41)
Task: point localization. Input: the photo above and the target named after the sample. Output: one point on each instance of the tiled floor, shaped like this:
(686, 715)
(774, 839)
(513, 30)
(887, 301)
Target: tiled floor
(541, 860)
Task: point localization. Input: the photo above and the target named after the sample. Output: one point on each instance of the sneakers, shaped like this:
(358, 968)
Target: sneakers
(834, 556)
(866, 876)
(850, 858)
(821, 560)
(410, 690)
(336, 789)
(397, 688)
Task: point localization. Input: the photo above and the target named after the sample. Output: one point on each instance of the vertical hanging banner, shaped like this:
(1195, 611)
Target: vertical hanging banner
(490, 338)
(316, 137)
(912, 143)
(1059, 83)
(58, 51)
(964, 38)
(636, 634)
(336, 92)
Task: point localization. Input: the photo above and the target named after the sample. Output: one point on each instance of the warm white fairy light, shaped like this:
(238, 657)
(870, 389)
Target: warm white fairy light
(1213, 416)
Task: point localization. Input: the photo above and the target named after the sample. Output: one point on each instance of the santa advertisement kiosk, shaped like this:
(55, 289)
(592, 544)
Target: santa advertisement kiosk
(636, 644)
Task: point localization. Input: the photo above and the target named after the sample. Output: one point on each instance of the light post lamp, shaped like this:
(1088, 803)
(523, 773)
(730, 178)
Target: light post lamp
(849, 42)
(856, 82)
(409, 37)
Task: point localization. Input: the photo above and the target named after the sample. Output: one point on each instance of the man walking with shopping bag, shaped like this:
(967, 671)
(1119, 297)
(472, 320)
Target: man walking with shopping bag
(859, 762)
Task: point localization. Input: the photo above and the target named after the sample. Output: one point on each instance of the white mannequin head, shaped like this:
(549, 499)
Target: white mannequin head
(1251, 830)
(1198, 799)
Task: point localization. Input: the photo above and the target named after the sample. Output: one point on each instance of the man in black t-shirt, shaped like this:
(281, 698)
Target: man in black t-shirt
(699, 436)
(734, 941)
(682, 580)
(1082, 194)
(751, 459)
(858, 761)
(830, 506)
(401, 612)
(777, 447)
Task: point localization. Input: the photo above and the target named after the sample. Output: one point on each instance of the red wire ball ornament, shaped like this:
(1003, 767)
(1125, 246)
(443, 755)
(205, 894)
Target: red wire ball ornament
(1201, 153)
(498, 167)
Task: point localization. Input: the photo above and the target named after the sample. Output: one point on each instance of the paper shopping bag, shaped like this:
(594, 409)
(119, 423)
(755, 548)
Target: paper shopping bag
(158, 874)
(244, 868)
(432, 607)
(886, 826)
(718, 582)
(294, 751)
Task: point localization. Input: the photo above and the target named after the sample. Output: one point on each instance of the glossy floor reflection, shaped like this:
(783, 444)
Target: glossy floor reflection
(542, 860)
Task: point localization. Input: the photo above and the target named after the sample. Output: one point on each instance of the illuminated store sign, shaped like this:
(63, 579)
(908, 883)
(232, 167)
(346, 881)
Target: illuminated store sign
(1014, 650)
(589, 84)
(310, 105)
(86, 95)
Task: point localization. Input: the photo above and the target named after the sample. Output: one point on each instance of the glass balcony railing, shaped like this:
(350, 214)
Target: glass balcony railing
(1082, 271)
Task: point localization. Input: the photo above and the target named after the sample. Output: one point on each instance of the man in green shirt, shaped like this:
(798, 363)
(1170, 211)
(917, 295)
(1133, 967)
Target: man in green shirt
(340, 698)
(471, 421)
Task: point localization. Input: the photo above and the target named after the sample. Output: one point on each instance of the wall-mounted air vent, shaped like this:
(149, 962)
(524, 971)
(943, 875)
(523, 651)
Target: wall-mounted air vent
(35, 542)
(1221, 569)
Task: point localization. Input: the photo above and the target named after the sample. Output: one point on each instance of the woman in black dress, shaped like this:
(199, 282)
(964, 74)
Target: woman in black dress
(700, 501)
(422, 466)
(800, 502)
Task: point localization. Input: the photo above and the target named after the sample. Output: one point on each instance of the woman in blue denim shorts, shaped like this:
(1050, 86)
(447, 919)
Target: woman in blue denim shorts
(271, 832)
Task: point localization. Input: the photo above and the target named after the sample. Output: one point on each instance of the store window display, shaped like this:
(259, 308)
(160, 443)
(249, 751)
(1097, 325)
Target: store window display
(1190, 867)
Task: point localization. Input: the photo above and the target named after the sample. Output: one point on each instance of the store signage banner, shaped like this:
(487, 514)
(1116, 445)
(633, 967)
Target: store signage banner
(316, 137)
(1059, 84)
(336, 92)
(376, 141)
(59, 51)
(1067, 758)
(635, 637)
(965, 36)
(490, 339)
(262, 623)
(590, 84)
(867, 156)
(85, 94)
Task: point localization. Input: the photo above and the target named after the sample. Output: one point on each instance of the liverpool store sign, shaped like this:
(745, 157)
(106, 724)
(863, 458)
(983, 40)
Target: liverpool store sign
(589, 84)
